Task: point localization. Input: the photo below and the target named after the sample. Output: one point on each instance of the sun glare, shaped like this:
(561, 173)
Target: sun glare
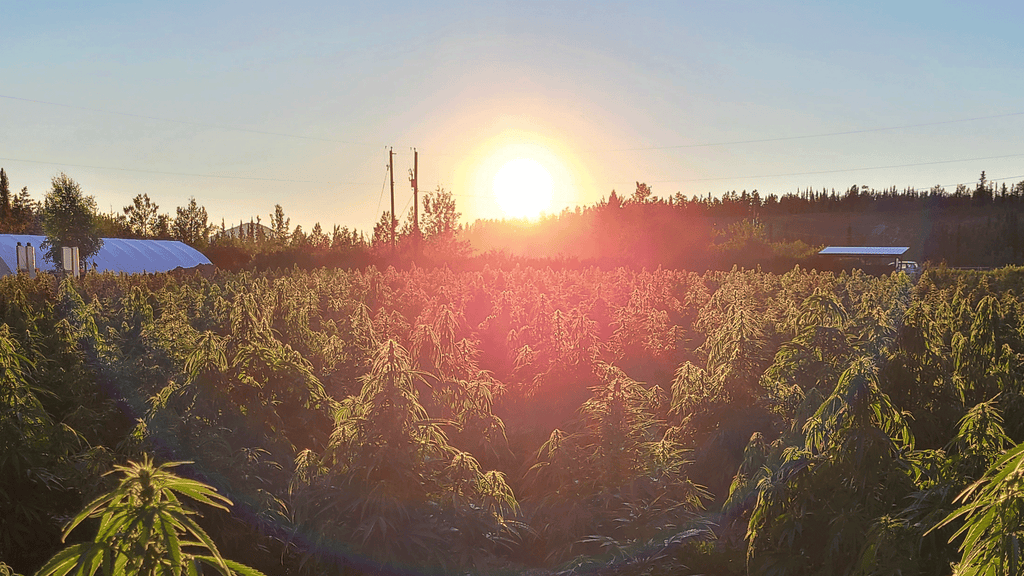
(520, 174)
(523, 188)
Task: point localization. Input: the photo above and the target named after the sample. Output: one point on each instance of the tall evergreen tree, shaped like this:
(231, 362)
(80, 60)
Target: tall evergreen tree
(191, 225)
(280, 224)
(5, 197)
(298, 237)
(162, 227)
(25, 214)
(142, 216)
(317, 238)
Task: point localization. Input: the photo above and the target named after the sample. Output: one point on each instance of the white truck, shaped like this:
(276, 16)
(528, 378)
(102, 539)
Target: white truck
(909, 266)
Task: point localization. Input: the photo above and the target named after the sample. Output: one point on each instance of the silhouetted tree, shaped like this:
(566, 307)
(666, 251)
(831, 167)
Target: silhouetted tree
(298, 237)
(162, 229)
(317, 238)
(983, 191)
(142, 216)
(5, 197)
(440, 218)
(440, 223)
(382, 231)
(191, 226)
(69, 219)
(642, 194)
(279, 224)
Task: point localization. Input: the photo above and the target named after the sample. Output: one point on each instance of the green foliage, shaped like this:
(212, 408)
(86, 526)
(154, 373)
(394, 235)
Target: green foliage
(815, 509)
(984, 360)
(279, 223)
(144, 528)
(438, 239)
(993, 517)
(191, 225)
(142, 216)
(5, 197)
(426, 419)
(617, 483)
(980, 433)
(398, 483)
(27, 433)
(69, 219)
(51, 439)
(858, 421)
(440, 218)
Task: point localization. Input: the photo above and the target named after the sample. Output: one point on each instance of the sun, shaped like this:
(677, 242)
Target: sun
(523, 188)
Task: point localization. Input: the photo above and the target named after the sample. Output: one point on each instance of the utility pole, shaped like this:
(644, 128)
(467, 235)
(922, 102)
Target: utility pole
(391, 174)
(415, 200)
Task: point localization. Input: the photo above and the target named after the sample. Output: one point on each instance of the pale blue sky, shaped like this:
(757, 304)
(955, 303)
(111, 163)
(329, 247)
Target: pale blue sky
(582, 82)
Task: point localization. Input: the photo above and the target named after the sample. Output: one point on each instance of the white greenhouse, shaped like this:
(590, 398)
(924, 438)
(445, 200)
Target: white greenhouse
(116, 255)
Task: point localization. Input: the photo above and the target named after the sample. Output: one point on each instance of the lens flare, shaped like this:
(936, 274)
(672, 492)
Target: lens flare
(523, 188)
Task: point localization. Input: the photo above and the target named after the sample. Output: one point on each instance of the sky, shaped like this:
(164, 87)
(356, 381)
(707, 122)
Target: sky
(245, 105)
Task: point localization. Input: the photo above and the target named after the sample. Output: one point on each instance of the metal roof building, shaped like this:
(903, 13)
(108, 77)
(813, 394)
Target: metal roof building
(870, 259)
(864, 250)
(116, 255)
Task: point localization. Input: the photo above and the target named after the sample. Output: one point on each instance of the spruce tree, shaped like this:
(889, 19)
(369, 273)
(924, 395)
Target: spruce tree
(191, 226)
(279, 224)
(5, 197)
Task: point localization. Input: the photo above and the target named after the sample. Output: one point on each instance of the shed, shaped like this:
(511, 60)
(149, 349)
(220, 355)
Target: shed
(864, 251)
(116, 255)
(872, 259)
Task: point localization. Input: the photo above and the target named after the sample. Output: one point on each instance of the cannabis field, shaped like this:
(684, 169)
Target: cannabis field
(524, 420)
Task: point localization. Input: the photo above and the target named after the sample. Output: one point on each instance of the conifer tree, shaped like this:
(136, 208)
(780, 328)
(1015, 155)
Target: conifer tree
(317, 238)
(280, 224)
(5, 196)
(191, 225)
(142, 216)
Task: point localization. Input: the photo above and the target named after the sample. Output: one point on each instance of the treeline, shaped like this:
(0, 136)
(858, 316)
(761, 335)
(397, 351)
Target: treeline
(619, 421)
(976, 227)
(69, 214)
(646, 231)
(20, 214)
(854, 199)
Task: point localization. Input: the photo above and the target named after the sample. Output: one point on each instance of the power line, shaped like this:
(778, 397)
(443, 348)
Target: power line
(406, 207)
(987, 180)
(284, 180)
(382, 185)
(804, 136)
(188, 122)
(781, 138)
(838, 171)
(637, 149)
(465, 195)
(554, 199)
(220, 176)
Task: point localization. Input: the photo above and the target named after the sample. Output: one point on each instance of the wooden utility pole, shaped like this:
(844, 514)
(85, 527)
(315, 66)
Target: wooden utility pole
(416, 200)
(391, 174)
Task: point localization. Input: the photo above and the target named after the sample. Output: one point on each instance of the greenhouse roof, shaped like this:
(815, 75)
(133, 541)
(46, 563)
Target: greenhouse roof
(864, 250)
(116, 255)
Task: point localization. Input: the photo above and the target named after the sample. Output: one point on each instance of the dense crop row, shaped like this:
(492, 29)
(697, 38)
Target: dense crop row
(790, 424)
